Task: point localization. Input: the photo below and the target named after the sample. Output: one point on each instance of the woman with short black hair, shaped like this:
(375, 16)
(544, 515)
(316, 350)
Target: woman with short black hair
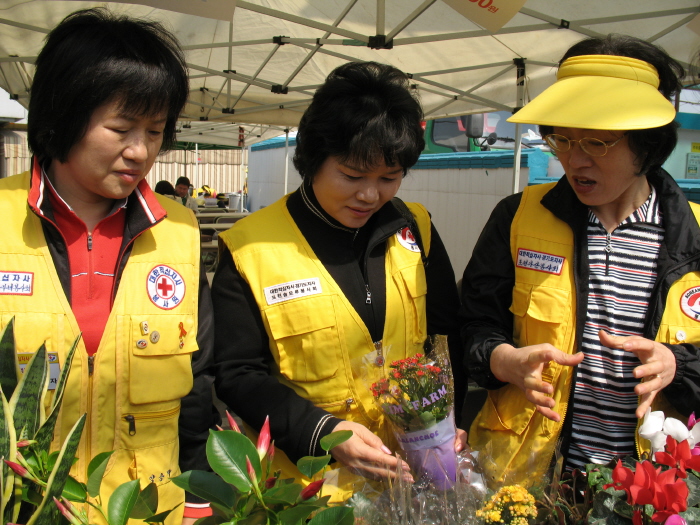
(312, 282)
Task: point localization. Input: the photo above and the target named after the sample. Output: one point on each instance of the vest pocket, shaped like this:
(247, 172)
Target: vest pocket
(160, 371)
(306, 336)
(412, 279)
(540, 315)
(677, 334)
(506, 409)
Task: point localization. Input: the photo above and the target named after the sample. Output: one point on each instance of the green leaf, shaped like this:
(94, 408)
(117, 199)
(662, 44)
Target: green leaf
(257, 518)
(47, 513)
(9, 368)
(692, 515)
(334, 439)
(282, 495)
(8, 449)
(27, 403)
(294, 515)
(211, 520)
(693, 490)
(208, 486)
(147, 503)
(227, 451)
(96, 470)
(161, 516)
(45, 433)
(122, 501)
(73, 490)
(309, 465)
(334, 516)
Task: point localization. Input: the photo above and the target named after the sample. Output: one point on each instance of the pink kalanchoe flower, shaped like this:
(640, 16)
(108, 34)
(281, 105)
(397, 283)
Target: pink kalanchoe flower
(17, 468)
(676, 519)
(232, 422)
(264, 438)
(691, 423)
(311, 489)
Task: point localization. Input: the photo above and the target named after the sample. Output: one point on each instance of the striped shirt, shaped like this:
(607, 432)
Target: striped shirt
(622, 273)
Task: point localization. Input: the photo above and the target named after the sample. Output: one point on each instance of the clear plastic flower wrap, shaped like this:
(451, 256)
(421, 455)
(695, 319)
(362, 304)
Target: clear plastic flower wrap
(416, 394)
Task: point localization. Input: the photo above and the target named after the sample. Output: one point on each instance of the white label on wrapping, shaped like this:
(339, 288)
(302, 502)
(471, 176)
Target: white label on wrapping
(430, 437)
(292, 290)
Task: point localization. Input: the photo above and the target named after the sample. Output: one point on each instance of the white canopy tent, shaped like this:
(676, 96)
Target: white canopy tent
(257, 63)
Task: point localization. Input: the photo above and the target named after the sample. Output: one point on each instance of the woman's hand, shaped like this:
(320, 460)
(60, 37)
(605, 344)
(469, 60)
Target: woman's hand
(460, 440)
(657, 370)
(523, 367)
(365, 453)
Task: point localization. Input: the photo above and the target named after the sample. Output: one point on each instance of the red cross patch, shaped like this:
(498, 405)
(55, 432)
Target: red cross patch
(165, 286)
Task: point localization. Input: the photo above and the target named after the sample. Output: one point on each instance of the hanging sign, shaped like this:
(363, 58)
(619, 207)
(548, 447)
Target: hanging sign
(489, 14)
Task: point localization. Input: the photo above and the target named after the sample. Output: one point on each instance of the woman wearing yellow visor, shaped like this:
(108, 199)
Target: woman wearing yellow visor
(581, 300)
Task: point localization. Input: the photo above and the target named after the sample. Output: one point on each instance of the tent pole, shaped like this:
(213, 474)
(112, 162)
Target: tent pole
(520, 99)
(196, 160)
(286, 159)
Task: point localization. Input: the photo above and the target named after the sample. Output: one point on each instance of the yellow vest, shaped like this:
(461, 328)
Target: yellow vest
(132, 398)
(519, 440)
(315, 334)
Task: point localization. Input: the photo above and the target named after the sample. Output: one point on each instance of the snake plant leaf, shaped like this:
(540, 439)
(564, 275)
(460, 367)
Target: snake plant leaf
(122, 501)
(9, 367)
(47, 513)
(45, 434)
(8, 449)
(27, 403)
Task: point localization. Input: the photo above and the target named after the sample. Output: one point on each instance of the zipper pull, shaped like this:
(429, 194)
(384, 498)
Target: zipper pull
(132, 424)
(349, 401)
(91, 364)
(369, 295)
(89, 241)
(608, 251)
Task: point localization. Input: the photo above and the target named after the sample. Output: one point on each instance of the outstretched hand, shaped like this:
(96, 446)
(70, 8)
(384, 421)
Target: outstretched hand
(657, 370)
(367, 454)
(523, 367)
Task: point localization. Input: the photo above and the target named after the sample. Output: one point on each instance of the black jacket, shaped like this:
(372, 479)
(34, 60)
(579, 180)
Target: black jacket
(353, 259)
(489, 279)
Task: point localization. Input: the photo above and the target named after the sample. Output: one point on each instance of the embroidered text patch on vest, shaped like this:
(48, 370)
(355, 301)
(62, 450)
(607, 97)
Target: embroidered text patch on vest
(16, 283)
(540, 261)
(291, 290)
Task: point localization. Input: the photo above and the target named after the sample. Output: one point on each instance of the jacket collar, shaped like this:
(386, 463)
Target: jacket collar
(682, 235)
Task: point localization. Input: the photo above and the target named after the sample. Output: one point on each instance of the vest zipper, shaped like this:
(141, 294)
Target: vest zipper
(347, 403)
(132, 418)
(368, 300)
(608, 251)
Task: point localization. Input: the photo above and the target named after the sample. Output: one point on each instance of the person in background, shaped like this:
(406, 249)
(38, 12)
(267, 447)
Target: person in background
(579, 302)
(365, 282)
(163, 187)
(182, 189)
(93, 246)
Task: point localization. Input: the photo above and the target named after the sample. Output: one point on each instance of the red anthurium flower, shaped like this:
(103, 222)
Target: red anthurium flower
(264, 438)
(232, 422)
(311, 489)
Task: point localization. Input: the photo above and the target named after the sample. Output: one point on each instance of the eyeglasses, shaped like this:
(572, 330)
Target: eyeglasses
(594, 147)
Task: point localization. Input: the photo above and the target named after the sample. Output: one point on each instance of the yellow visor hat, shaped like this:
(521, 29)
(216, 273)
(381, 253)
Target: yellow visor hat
(601, 92)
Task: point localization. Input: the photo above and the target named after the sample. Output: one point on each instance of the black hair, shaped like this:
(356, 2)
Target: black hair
(652, 146)
(94, 57)
(183, 180)
(164, 188)
(363, 113)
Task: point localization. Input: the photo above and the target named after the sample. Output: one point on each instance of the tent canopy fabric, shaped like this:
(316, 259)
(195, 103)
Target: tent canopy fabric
(259, 69)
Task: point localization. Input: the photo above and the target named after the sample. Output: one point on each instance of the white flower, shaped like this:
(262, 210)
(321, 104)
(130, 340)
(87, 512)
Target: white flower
(676, 429)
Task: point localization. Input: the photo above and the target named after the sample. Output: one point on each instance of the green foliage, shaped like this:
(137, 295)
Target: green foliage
(250, 495)
(47, 479)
